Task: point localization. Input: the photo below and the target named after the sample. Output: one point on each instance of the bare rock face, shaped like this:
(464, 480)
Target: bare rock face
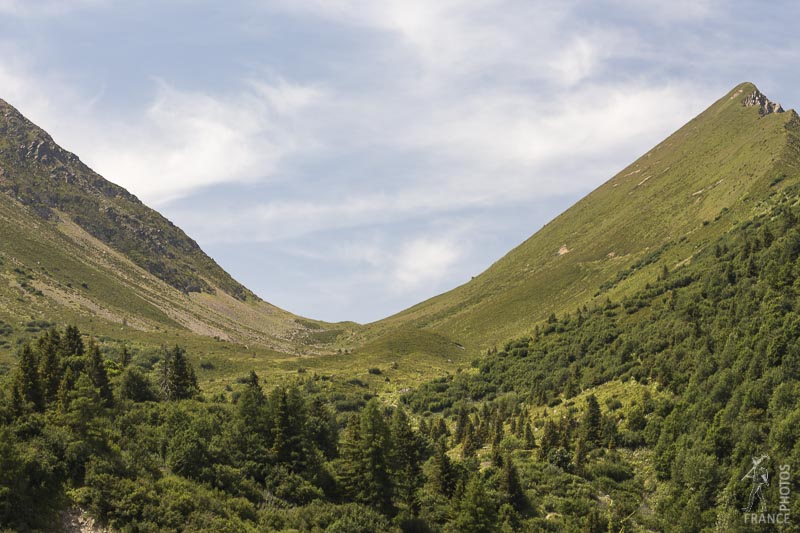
(765, 106)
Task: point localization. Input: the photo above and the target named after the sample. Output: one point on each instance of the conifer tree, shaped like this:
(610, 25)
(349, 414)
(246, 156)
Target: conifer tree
(438, 429)
(251, 403)
(323, 428)
(71, 342)
(530, 441)
(591, 422)
(288, 419)
(475, 510)
(65, 387)
(462, 420)
(550, 439)
(178, 380)
(96, 370)
(50, 365)
(442, 475)
(375, 453)
(510, 487)
(406, 459)
(125, 357)
(350, 464)
(469, 444)
(27, 386)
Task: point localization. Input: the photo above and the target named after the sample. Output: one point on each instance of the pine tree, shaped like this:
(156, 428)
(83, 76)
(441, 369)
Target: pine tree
(27, 386)
(323, 428)
(84, 406)
(125, 357)
(469, 445)
(50, 365)
(579, 457)
(288, 445)
(550, 440)
(442, 475)
(375, 453)
(251, 403)
(475, 510)
(65, 387)
(439, 429)
(510, 487)
(71, 342)
(406, 459)
(178, 380)
(350, 464)
(530, 441)
(591, 422)
(462, 421)
(497, 432)
(96, 370)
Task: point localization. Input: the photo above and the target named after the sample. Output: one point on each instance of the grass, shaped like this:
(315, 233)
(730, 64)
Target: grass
(717, 171)
(692, 187)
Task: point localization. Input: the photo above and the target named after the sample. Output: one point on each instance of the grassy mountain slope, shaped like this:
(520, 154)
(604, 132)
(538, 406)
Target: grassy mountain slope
(76, 248)
(661, 209)
(697, 373)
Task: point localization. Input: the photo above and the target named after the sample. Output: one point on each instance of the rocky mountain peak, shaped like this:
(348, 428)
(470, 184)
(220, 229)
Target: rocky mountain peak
(765, 106)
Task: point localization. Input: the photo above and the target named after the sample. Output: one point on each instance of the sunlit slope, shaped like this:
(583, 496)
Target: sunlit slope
(76, 248)
(714, 172)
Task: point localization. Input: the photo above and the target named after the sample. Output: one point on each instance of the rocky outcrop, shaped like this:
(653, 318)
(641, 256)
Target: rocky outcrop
(765, 106)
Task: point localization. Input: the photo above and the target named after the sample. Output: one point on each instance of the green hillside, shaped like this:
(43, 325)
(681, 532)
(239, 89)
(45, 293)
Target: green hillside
(691, 188)
(695, 374)
(641, 352)
(75, 248)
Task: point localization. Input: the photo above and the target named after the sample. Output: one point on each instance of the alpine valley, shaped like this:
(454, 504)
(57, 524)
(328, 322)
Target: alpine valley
(623, 369)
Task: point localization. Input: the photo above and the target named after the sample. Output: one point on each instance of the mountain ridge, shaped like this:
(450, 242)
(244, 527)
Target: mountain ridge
(78, 248)
(657, 212)
(693, 183)
(124, 223)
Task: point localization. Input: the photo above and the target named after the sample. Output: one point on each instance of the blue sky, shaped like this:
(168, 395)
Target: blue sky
(348, 158)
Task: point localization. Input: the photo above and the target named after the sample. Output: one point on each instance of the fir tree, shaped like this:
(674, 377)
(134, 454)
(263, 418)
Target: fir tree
(125, 357)
(71, 342)
(442, 475)
(376, 489)
(462, 421)
(469, 445)
(50, 365)
(475, 510)
(406, 459)
(178, 380)
(550, 440)
(510, 487)
(530, 441)
(251, 403)
(96, 370)
(591, 422)
(350, 464)
(27, 386)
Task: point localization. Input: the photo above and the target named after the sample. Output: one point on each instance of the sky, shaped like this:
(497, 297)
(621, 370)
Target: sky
(346, 159)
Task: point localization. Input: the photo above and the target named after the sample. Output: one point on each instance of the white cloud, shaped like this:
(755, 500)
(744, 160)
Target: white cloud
(423, 261)
(577, 61)
(453, 38)
(506, 149)
(186, 141)
(183, 141)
